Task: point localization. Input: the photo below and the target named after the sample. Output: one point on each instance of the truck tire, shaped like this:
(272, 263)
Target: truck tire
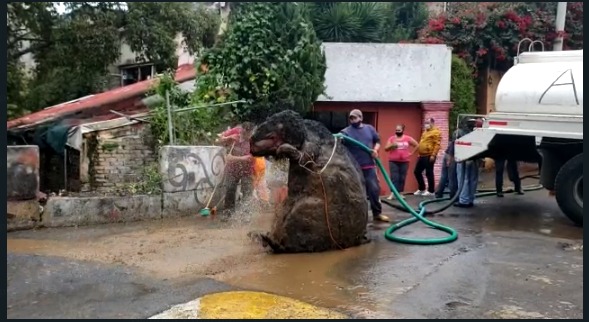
(568, 188)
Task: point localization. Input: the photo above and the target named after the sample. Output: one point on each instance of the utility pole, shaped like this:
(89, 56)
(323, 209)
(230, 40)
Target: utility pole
(561, 13)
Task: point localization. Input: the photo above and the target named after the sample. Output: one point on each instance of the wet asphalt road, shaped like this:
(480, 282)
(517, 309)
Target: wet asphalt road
(41, 287)
(515, 258)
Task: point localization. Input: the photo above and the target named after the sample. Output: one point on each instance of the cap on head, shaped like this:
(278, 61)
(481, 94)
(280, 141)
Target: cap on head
(357, 113)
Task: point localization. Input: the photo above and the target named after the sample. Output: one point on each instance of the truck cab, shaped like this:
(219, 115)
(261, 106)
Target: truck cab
(538, 117)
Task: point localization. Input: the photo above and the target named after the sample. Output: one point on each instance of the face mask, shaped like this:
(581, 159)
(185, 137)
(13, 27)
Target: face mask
(356, 125)
(427, 126)
(399, 133)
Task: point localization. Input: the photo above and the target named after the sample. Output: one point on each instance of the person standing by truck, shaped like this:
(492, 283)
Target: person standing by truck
(428, 148)
(398, 147)
(512, 174)
(448, 177)
(467, 172)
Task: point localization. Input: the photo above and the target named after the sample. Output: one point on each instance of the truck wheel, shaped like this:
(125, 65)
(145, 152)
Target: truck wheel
(568, 188)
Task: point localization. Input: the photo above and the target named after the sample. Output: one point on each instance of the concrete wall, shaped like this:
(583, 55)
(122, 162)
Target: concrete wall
(387, 72)
(22, 166)
(190, 174)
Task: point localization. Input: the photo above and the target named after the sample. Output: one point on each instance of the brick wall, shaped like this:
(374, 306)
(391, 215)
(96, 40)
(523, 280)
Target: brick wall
(440, 112)
(116, 157)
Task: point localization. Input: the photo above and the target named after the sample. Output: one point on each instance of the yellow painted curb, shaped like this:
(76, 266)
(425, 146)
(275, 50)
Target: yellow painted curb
(247, 305)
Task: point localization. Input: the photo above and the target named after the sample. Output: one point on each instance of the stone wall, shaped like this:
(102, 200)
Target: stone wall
(115, 158)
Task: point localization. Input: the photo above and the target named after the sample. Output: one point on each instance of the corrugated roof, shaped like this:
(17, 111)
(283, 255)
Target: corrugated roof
(183, 73)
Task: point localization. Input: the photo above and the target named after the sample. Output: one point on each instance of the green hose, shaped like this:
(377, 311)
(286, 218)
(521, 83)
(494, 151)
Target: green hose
(419, 214)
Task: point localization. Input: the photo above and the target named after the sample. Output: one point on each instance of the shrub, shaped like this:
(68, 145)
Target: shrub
(462, 91)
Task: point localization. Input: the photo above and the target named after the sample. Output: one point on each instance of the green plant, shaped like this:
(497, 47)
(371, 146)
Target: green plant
(462, 91)
(367, 21)
(191, 127)
(270, 57)
(109, 146)
(487, 34)
(150, 182)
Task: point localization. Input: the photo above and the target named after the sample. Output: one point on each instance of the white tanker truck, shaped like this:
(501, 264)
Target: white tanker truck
(539, 112)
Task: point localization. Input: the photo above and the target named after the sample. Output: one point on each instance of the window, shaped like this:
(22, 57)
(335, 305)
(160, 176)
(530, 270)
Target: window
(136, 73)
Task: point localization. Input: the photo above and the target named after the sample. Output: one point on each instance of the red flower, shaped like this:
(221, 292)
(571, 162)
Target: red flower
(436, 25)
(482, 51)
(480, 19)
(500, 24)
(501, 57)
(512, 16)
(433, 40)
(456, 21)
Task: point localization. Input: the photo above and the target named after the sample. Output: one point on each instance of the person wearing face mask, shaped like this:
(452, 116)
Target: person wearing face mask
(428, 148)
(398, 147)
(367, 135)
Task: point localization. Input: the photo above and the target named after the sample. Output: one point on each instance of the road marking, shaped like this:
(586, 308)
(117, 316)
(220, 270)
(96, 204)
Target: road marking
(247, 305)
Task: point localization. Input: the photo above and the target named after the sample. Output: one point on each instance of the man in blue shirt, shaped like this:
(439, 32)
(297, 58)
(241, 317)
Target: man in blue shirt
(367, 135)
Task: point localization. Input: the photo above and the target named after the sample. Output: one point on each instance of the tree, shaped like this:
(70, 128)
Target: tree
(348, 21)
(73, 49)
(462, 91)
(487, 34)
(404, 20)
(270, 57)
(368, 21)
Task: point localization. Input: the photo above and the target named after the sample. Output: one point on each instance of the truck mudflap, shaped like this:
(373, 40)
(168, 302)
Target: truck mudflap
(473, 144)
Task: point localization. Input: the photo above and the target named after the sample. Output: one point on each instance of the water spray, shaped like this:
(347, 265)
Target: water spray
(206, 211)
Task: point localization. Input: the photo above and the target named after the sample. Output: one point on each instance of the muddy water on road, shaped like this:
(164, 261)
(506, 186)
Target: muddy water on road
(189, 248)
(360, 280)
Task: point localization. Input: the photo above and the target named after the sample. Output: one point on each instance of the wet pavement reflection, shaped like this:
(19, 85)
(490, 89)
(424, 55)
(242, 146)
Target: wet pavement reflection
(507, 261)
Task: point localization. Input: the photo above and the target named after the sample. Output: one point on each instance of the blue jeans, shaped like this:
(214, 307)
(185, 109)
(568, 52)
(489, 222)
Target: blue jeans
(447, 179)
(470, 182)
(372, 190)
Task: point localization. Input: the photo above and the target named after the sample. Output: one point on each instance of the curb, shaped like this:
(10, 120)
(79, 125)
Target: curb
(247, 305)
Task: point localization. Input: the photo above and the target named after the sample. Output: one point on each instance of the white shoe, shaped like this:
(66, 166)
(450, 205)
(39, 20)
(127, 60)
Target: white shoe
(391, 197)
(427, 194)
(419, 193)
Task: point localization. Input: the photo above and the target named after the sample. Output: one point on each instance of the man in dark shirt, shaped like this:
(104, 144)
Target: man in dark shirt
(367, 135)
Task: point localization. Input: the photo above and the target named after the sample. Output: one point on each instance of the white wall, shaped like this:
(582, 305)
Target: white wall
(387, 72)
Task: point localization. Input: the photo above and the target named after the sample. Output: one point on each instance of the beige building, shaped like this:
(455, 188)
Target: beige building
(127, 70)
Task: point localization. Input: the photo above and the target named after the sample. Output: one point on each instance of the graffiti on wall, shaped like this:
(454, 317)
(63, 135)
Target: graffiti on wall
(192, 168)
(22, 169)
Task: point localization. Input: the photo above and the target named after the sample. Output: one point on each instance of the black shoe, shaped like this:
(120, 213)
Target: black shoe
(519, 192)
(462, 205)
(499, 194)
